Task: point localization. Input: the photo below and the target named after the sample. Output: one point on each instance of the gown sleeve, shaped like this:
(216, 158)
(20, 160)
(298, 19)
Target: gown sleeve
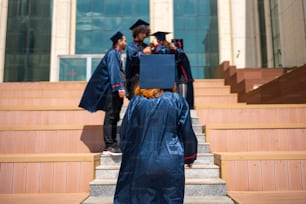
(133, 52)
(184, 64)
(127, 129)
(188, 136)
(114, 71)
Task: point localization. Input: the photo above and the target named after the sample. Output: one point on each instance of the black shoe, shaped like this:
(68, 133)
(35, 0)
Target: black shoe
(114, 151)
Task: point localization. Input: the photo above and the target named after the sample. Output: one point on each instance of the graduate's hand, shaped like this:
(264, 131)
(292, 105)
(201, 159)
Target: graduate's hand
(189, 165)
(147, 50)
(172, 46)
(121, 93)
(152, 45)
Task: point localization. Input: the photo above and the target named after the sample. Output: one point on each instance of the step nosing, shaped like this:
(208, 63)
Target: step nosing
(188, 181)
(194, 167)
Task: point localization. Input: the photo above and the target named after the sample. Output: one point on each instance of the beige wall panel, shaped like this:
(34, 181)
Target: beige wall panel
(61, 34)
(292, 29)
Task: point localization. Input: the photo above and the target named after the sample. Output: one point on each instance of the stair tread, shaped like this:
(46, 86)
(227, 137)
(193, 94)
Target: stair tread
(191, 200)
(207, 198)
(187, 198)
(188, 181)
(195, 166)
(199, 154)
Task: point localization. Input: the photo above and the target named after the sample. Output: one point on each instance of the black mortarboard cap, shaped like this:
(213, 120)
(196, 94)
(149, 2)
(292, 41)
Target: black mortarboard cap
(157, 71)
(178, 43)
(139, 22)
(116, 36)
(160, 35)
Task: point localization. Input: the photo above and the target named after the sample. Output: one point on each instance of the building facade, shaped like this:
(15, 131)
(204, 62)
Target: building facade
(63, 40)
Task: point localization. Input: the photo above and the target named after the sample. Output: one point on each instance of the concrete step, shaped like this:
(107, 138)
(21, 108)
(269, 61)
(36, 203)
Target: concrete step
(44, 98)
(212, 90)
(194, 118)
(257, 137)
(205, 186)
(60, 92)
(208, 200)
(208, 83)
(26, 86)
(202, 158)
(40, 101)
(41, 116)
(37, 115)
(197, 171)
(215, 99)
(203, 147)
(193, 187)
(197, 128)
(187, 200)
(201, 137)
(221, 114)
(66, 138)
(50, 139)
(250, 169)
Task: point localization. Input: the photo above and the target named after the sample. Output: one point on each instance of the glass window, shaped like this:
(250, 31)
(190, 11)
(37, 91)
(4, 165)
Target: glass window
(73, 69)
(28, 40)
(95, 63)
(197, 23)
(98, 19)
(263, 37)
(275, 33)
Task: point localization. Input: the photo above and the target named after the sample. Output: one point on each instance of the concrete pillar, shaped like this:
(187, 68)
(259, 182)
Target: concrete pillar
(292, 32)
(225, 31)
(161, 16)
(238, 32)
(61, 33)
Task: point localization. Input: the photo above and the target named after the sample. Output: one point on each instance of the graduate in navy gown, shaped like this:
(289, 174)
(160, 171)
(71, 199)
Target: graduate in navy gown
(140, 30)
(157, 141)
(162, 46)
(184, 73)
(105, 91)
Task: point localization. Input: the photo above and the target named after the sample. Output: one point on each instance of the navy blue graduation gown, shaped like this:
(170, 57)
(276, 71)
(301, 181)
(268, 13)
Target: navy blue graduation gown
(184, 71)
(160, 49)
(133, 52)
(108, 77)
(157, 139)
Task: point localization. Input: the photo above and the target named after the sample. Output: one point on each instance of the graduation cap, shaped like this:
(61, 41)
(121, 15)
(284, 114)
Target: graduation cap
(139, 22)
(157, 71)
(178, 43)
(116, 36)
(160, 35)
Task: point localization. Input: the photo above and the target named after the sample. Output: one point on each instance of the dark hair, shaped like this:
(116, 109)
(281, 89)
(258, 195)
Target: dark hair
(115, 43)
(141, 29)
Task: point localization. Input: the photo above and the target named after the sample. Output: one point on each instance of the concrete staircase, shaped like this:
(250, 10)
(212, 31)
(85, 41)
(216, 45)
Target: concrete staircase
(203, 183)
(56, 146)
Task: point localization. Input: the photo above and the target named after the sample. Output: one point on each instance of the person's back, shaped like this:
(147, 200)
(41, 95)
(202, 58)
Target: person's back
(156, 140)
(155, 122)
